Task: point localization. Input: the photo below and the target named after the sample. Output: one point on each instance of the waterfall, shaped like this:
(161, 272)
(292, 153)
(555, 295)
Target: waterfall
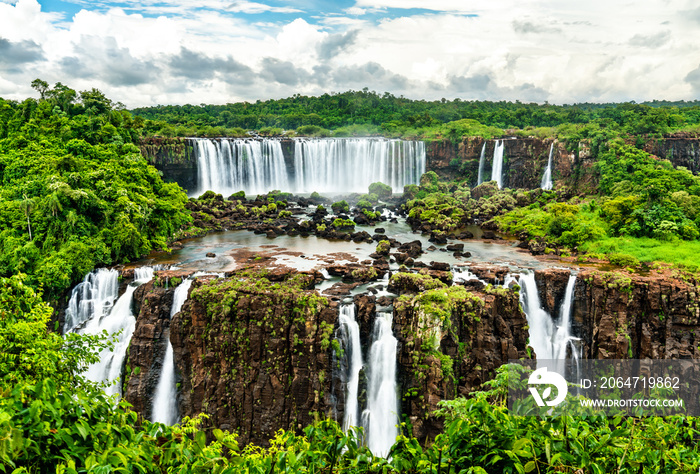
(349, 335)
(549, 341)
(563, 338)
(119, 319)
(93, 297)
(165, 398)
(328, 165)
(497, 170)
(547, 177)
(381, 416)
(461, 274)
(482, 159)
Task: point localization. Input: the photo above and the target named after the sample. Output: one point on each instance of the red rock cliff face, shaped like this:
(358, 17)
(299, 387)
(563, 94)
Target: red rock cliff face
(254, 357)
(619, 314)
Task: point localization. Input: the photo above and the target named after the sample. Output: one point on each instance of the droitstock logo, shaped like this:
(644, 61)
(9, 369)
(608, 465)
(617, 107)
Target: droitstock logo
(543, 377)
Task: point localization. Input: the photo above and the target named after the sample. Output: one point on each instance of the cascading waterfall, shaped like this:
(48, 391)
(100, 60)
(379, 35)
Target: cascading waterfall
(547, 177)
(93, 297)
(381, 416)
(497, 170)
(329, 165)
(349, 335)
(256, 166)
(482, 160)
(549, 341)
(165, 398)
(120, 319)
(563, 339)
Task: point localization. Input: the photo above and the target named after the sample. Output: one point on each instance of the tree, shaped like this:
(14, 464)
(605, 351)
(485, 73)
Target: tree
(41, 87)
(27, 205)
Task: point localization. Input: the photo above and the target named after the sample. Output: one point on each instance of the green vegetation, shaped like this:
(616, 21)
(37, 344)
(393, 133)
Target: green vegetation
(74, 189)
(366, 113)
(340, 206)
(381, 190)
(51, 420)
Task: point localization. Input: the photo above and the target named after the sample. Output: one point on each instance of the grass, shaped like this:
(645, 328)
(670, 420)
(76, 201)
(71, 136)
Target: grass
(683, 252)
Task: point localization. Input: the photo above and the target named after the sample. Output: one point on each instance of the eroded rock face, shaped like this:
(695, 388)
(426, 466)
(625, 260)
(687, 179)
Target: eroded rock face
(252, 357)
(678, 149)
(175, 157)
(619, 314)
(257, 358)
(443, 359)
(148, 345)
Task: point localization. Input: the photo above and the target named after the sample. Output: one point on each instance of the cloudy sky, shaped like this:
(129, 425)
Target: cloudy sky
(150, 52)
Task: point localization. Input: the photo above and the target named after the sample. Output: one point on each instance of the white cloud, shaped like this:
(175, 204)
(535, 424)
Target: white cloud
(147, 52)
(252, 7)
(355, 11)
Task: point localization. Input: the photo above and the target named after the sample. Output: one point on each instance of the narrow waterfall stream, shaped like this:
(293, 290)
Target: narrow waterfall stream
(549, 341)
(497, 170)
(547, 177)
(381, 415)
(330, 165)
(350, 342)
(482, 160)
(165, 398)
(119, 319)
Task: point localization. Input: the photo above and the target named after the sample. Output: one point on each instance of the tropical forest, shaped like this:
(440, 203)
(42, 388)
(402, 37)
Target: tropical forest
(340, 283)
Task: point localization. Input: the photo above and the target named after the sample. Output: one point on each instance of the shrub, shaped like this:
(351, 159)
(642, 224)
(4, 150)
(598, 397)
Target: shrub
(380, 189)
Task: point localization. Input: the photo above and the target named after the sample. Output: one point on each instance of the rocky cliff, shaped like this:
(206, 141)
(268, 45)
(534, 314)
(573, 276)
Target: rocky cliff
(524, 161)
(254, 355)
(620, 314)
(257, 355)
(451, 340)
(679, 149)
(174, 157)
(146, 352)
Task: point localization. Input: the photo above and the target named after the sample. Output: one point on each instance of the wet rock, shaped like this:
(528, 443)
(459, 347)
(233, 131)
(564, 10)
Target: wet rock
(412, 249)
(443, 276)
(455, 247)
(438, 237)
(379, 230)
(211, 254)
(441, 266)
(486, 331)
(148, 344)
(465, 235)
(490, 235)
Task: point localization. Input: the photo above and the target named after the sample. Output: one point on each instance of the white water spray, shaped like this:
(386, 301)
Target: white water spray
(350, 338)
(497, 170)
(547, 177)
(165, 398)
(94, 297)
(329, 165)
(380, 419)
(548, 340)
(482, 160)
(120, 319)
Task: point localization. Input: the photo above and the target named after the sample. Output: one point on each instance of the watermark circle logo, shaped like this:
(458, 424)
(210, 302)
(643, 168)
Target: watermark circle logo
(543, 377)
